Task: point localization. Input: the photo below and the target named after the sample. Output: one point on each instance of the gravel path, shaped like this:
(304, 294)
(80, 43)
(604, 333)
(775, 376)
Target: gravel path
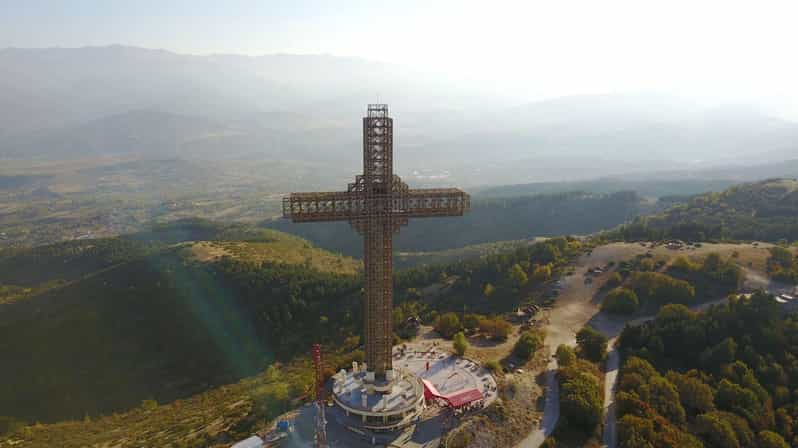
(610, 436)
(551, 410)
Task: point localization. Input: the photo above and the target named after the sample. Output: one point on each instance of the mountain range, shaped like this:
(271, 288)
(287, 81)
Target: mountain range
(142, 102)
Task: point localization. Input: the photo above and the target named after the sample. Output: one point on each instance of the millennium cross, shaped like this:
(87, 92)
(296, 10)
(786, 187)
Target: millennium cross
(377, 204)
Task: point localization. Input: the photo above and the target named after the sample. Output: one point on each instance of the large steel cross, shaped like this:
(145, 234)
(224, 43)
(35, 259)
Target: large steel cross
(377, 204)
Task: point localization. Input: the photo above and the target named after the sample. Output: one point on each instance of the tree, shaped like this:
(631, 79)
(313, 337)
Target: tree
(769, 439)
(647, 264)
(471, 321)
(565, 355)
(696, 396)
(460, 344)
(722, 353)
(528, 344)
(592, 344)
(541, 273)
(639, 432)
(581, 401)
(518, 276)
(738, 399)
(718, 432)
(782, 257)
(614, 280)
(621, 301)
(636, 432)
(149, 404)
(447, 325)
(549, 442)
(9, 425)
(665, 399)
(662, 288)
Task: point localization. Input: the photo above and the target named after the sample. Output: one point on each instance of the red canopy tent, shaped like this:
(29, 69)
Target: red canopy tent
(463, 398)
(455, 400)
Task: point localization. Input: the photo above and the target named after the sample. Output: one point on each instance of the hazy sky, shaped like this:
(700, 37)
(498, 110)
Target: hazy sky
(731, 49)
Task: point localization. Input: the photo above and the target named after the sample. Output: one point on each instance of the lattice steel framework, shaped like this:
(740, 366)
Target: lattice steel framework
(377, 204)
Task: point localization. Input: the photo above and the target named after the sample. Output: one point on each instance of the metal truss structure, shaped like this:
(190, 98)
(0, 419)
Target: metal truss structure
(377, 204)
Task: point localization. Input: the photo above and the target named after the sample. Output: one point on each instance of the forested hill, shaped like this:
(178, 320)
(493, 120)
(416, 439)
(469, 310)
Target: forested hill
(724, 378)
(97, 326)
(489, 220)
(644, 187)
(766, 210)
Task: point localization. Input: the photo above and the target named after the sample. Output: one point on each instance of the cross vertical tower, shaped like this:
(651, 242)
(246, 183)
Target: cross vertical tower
(377, 204)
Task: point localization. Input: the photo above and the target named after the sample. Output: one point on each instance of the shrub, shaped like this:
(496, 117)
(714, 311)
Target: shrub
(528, 344)
(447, 325)
(495, 328)
(493, 366)
(565, 355)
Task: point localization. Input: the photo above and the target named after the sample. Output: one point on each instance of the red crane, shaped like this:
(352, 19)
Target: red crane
(321, 420)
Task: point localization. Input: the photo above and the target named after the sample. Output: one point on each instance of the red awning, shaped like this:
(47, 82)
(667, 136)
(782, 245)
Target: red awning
(463, 398)
(428, 386)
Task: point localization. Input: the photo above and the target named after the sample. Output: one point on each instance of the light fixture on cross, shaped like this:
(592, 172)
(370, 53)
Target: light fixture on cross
(377, 204)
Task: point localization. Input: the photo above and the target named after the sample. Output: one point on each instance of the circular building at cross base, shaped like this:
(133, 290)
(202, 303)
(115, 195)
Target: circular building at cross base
(375, 405)
(429, 389)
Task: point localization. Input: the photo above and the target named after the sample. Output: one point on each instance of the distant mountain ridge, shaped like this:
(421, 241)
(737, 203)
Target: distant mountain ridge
(656, 184)
(112, 100)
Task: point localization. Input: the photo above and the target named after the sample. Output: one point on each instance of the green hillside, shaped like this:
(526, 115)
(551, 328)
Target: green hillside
(216, 331)
(97, 326)
(766, 210)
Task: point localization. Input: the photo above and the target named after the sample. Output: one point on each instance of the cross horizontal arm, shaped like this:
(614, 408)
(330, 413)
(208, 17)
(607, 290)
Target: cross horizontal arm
(354, 206)
(430, 202)
(322, 206)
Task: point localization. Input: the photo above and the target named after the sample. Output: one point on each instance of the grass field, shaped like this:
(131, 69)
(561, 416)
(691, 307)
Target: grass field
(276, 247)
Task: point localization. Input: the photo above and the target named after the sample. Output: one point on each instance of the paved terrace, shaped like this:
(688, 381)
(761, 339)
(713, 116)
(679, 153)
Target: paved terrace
(447, 372)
